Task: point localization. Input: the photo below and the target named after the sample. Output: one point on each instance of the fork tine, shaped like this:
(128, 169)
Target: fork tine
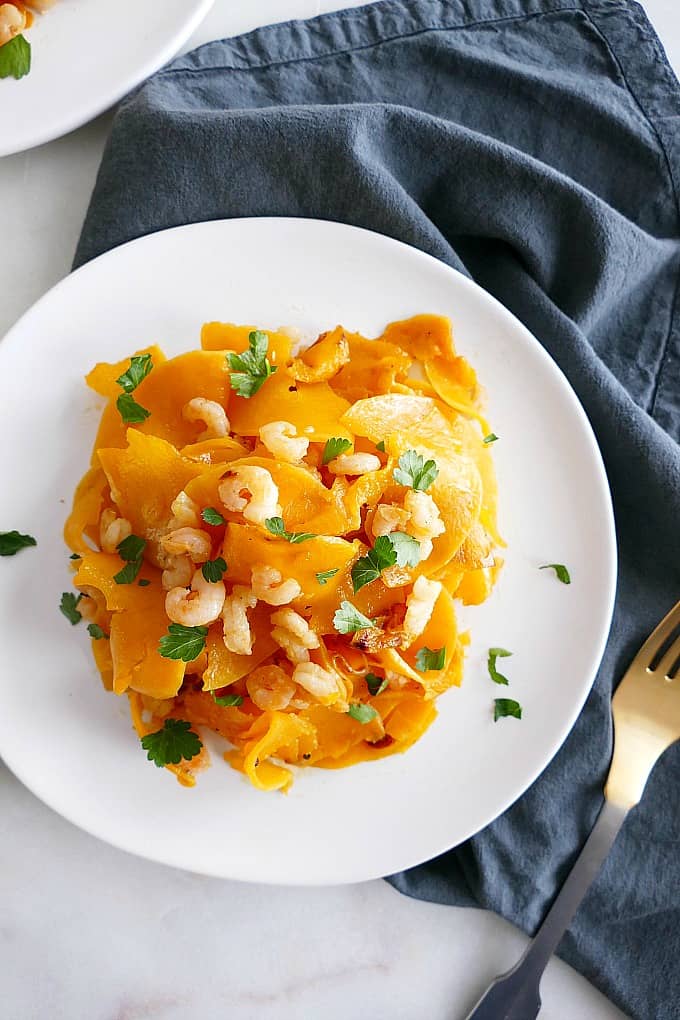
(657, 638)
(665, 665)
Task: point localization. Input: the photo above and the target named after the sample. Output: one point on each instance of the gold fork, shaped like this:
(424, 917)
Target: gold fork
(646, 710)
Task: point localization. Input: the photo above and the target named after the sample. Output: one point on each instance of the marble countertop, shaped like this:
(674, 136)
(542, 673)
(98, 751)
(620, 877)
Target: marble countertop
(91, 933)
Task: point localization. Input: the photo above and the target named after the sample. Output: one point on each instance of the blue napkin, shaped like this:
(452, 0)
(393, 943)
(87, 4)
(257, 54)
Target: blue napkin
(534, 145)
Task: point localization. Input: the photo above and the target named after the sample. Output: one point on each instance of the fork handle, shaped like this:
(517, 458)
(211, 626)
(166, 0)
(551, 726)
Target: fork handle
(515, 995)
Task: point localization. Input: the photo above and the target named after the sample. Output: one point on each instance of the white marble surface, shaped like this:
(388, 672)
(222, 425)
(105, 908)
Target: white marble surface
(90, 933)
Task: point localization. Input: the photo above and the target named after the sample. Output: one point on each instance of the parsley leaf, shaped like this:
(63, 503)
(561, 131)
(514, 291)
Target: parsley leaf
(174, 743)
(130, 411)
(369, 567)
(406, 547)
(95, 631)
(380, 446)
(213, 570)
(143, 583)
(497, 653)
(323, 576)
(128, 573)
(334, 447)
(15, 58)
(140, 366)
(491, 438)
(506, 706)
(376, 684)
(561, 571)
(362, 713)
(69, 606)
(185, 643)
(348, 619)
(430, 658)
(252, 368)
(75, 556)
(11, 541)
(131, 549)
(211, 516)
(276, 527)
(227, 700)
(415, 471)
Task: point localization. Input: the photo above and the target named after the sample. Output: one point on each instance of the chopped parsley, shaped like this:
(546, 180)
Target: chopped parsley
(228, 700)
(376, 684)
(131, 412)
(131, 549)
(369, 567)
(415, 471)
(185, 643)
(347, 619)
(214, 570)
(252, 368)
(380, 446)
(12, 541)
(430, 658)
(75, 556)
(406, 547)
(174, 743)
(561, 571)
(140, 366)
(323, 576)
(503, 707)
(69, 606)
(211, 516)
(143, 582)
(276, 527)
(497, 653)
(362, 713)
(334, 447)
(15, 58)
(95, 631)
(491, 438)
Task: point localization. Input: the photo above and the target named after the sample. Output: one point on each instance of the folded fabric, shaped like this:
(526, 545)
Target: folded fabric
(534, 145)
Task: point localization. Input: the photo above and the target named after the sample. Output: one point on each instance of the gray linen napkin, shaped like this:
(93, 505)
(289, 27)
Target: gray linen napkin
(535, 145)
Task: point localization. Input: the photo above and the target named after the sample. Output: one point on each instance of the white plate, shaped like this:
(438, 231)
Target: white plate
(86, 55)
(71, 742)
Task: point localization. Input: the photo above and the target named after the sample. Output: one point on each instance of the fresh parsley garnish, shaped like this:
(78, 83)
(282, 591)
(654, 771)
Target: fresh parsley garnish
(376, 684)
(362, 713)
(171, 745)
(415, 471)
(380, 446)
(491, 438)
(323, 576)
(185, 643)
(276, 527)
(497, 653)
(211, 516)
(252, 368)
(369, 567)
(143, 582)
(406, 547)
(506, 706)
(213, 570)
(75, 556)
(561, 571)
(12, 541)
(131, 549)
(334, 447)
(140, 366)
(95, 631)
(430, 658)
(347, 619)
(131, 412)
(69, 606)
(228, 700)
(15, 58)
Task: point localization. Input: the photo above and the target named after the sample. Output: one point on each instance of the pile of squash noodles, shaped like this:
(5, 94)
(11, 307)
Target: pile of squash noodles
(407, 390)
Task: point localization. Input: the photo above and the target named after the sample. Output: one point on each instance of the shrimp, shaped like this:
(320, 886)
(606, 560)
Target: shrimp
(12, 22)
(192, 542)
(419, 606)
(184, 512)
(389, 518)
(178, 572)
(268, 585)
(425, 522)
(251, 491)
(354, 464)
(282, 442)
(318, 682)
(270, 688)
(112, 530)
(196, 607)
(211, 413)
(292, 632)
(237, 636)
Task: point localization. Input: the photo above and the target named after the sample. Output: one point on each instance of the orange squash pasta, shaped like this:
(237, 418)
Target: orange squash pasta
(304, 523)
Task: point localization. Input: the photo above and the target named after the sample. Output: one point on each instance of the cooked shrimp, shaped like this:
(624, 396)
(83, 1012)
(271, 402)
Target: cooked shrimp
(268, 585)
(270, 688)
(196, 607)
(354, 464)
(389, 518)
(293, 633)
(425, 521)
(178, 572)
(184, 512)
(211, 413)
(112, 530)
(281, 440)
(237, 636)
(12, 22)
(251, 490)
(318, 682)
(419, 607)
(191, 542)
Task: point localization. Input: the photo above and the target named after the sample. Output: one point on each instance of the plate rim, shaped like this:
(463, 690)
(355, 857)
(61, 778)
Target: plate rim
(568, 720)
